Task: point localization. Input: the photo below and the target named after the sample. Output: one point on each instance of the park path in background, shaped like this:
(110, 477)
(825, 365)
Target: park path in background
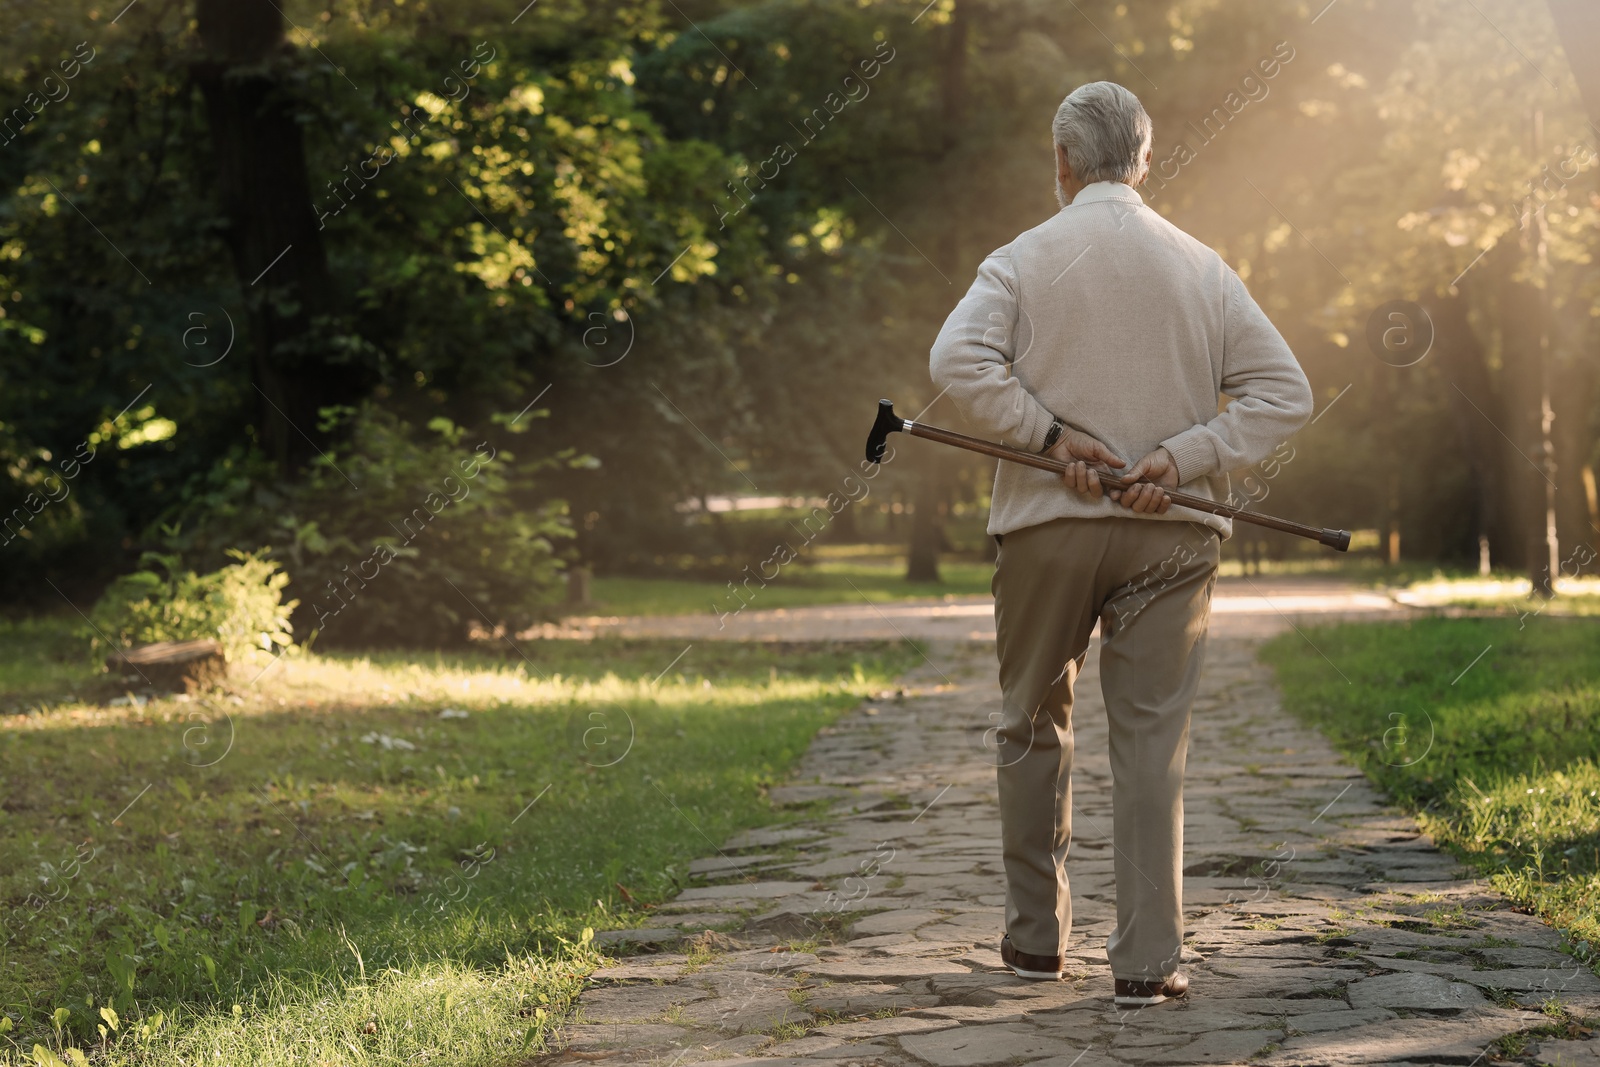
(1324, 928)
(1242, 607)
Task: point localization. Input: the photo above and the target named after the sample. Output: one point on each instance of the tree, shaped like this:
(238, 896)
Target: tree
(1485, 209)
(246, 77)
(493, 215)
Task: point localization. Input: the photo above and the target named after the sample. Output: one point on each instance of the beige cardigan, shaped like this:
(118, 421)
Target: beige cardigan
(1125, 327)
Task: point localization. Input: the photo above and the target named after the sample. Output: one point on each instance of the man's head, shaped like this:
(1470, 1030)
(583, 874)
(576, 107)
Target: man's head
(1102, 134)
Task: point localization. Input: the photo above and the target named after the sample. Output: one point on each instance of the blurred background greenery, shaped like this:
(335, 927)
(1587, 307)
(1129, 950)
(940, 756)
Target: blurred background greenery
(661, 259)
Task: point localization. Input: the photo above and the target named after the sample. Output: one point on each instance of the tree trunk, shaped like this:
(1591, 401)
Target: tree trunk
(1472, 404)
(1518, 384)
(1575, 439)
(1578, 27)
(931, 490)
(579, 590)
(846, 528)
(1592, 499)
(1385, 413)
(922, 559)
(271, 229)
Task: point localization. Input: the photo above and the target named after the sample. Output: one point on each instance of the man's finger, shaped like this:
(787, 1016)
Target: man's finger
(1143, 498)
(1094, 484)
(1143, 468)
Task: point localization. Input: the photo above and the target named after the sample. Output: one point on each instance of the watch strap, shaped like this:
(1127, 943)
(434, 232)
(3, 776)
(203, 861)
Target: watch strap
(1053, 434)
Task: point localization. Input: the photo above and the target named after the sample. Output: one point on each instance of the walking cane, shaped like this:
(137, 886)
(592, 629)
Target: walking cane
(888, 422)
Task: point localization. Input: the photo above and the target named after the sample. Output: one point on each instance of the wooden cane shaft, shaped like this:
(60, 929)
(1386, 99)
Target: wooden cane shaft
(1111, 481)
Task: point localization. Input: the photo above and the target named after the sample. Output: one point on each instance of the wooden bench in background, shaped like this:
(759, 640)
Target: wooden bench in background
(178, 666)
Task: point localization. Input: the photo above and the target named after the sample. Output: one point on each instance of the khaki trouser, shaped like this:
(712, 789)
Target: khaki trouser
(1149, 582)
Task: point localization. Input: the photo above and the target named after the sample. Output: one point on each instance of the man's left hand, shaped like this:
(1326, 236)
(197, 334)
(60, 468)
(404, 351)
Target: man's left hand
(1083, 454)
(1156, 473)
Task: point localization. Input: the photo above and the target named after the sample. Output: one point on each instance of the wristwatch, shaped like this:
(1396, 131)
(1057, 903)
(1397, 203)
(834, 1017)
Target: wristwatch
(1053, 434)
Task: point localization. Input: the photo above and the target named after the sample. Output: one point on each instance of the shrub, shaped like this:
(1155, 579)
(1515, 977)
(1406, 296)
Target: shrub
(240, 606)
(41, 514)
(401, 535)
(442, 536)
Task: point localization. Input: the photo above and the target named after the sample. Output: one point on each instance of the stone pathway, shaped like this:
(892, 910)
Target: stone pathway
(1323, 927)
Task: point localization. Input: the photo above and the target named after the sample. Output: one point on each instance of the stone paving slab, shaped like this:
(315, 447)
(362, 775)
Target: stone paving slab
(1323, 926)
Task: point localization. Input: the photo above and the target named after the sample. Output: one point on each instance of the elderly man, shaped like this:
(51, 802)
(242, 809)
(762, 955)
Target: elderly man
(1104, 337)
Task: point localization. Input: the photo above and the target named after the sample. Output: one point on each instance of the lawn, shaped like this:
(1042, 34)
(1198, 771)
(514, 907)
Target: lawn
(853, 573)
(1503, 594)
(40, 660)
(1489, 728)
(380, 860)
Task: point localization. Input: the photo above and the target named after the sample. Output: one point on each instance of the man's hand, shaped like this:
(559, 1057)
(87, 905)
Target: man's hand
(1156, 473)
(1083, 452)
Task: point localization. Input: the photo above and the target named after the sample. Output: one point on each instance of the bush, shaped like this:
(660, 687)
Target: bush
(401, 535)
(240, 606)
(441, 536)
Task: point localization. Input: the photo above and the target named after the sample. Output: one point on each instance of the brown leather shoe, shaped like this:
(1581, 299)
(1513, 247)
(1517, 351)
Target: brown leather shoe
(1027, 965)
(1130, 994)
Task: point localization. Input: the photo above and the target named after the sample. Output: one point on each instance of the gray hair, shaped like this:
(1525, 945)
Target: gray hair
(1105, 132)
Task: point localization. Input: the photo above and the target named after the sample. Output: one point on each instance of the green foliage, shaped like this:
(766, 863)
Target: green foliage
(36, 500)
(241, 606)
(403, 535)
(357, 851)
(442, 534)
(507, 249)
(609, 183)
(1501, 755)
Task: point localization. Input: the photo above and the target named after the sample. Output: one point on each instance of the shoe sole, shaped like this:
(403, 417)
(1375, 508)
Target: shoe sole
(1141, 1002)
(1052, 976)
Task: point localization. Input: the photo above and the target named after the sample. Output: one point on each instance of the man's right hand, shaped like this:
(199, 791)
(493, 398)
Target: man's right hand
(1156, 472)
(1083, 454)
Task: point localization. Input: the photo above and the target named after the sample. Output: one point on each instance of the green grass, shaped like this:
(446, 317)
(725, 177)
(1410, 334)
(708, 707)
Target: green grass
(320, 868)
(40, 661)
(1504, 594)
(853, 573)
(1499, 756)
